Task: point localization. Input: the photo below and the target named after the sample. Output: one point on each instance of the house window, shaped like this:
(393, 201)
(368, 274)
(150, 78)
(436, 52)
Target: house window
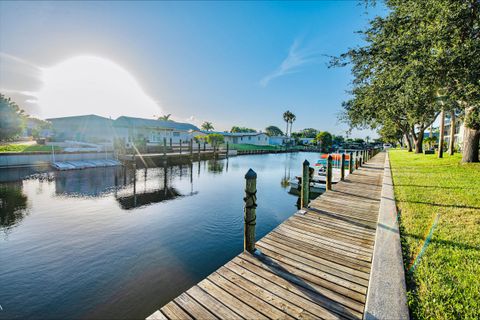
(249, 138)
(241, 138)
(258, 138)
(176, 134)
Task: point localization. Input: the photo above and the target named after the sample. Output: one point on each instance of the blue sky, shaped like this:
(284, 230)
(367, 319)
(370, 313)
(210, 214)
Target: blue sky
(232, 63)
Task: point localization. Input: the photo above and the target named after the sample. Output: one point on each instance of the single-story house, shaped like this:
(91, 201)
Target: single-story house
(306, 141)
(255, 138)
(87, 128)
(96, 129)
(277, 140)
(153, 131)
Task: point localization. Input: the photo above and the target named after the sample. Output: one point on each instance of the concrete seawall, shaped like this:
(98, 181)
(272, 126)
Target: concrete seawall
(45, 158)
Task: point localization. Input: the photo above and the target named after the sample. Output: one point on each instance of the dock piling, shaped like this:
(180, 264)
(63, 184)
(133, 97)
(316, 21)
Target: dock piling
(350, 164)
(305, 194)
(165, 148)
(250, 216)
(180, 146)
(342, 168)
(329, 172)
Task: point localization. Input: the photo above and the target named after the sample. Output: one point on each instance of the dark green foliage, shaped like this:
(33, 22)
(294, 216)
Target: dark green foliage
(273, 131)
(11, 119)
(324, 139)
(236, 129)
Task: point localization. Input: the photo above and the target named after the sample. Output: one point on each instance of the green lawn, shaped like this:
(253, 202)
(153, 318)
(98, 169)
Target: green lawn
(439, 206)
(26, 148)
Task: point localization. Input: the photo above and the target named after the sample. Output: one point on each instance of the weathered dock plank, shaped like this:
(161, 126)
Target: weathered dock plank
(314, 265)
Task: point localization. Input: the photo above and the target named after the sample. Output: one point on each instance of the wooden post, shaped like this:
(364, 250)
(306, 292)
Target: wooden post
(305, 184)
(356, 163)
(350, 165)
(204, 146)
(191, 148)
(171, 148)
(227, 149)
(342, 167)
(165, 148)
(250, 216)
(198, 150)
(180, 146)
(329, 172)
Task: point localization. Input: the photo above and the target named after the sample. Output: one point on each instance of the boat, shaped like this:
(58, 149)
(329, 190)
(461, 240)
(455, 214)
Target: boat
(319, 177)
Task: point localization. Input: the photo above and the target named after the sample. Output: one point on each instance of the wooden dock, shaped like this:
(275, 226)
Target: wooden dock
(314, 265)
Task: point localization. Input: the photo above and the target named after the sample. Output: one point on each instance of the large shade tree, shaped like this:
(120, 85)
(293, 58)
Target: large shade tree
(11, 119)
(419, 60)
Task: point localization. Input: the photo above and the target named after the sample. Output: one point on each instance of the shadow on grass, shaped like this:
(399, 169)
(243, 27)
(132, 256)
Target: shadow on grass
(458, 206)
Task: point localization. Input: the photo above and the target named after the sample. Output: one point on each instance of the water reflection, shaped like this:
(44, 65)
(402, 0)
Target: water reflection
(13, 204)
(120, 242)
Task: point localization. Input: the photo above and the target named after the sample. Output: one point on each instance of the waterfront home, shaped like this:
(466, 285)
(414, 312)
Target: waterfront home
(306, 141)
(85, 128)
(278, 140)
(255, 138)
(96, 129)
(152, 131)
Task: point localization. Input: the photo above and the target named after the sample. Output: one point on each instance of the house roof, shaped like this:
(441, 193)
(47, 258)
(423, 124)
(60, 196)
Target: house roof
(124, 121)
(82, 117)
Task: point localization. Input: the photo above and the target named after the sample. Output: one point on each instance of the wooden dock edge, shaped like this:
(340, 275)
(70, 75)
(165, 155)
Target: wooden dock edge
(386, 295)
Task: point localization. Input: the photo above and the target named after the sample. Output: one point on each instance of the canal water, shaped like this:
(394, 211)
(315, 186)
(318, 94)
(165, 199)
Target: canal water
(118, 243)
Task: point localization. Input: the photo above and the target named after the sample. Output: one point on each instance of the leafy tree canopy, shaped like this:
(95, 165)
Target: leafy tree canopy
(273, 131)
(241, 129)
(11, 119)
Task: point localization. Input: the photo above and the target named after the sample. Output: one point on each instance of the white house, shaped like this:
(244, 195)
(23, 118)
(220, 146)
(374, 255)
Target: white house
(153, 131)
(458, 136)
(277, 140)
(255, 138)
(95, 129)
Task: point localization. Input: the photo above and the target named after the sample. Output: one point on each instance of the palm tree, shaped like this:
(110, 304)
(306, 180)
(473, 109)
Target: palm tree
(292, 120)
(207, 126)
(165, 117)
(286, 118)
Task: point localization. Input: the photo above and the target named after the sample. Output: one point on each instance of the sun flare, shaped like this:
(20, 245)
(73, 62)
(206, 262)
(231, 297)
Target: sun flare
(92, 85)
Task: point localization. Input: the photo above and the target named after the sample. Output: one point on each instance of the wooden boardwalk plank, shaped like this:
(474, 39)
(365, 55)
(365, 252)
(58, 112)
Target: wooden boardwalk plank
(313, 265)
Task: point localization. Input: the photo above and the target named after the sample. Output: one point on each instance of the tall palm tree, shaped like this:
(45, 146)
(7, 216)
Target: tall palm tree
(286, 118)
(292, 120)
(207, 126)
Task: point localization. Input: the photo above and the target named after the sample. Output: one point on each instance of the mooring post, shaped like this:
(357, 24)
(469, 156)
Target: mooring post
(329, 172)
(356, 163)
(342, 167)
(191, 149)
(180, 146)
(227, 149)
(198, 144)
(305, 195)
(350, 164)
(250, 216)
(165, 148)
(171, 145)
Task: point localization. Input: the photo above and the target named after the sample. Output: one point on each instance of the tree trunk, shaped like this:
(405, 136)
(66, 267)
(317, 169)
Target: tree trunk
(409, 143)
(451, 148)
(442, 134)
(419, 142)
(471, 140)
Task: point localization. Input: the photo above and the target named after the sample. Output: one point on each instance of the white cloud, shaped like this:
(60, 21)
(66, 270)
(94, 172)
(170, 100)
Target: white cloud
(296, 58)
